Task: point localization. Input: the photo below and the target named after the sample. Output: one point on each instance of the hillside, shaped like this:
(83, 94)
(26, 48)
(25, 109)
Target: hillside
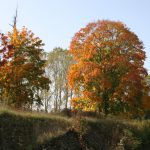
(38, 131)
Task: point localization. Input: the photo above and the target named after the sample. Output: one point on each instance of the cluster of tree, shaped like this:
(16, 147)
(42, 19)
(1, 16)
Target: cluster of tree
(57, 65)
(102, 71)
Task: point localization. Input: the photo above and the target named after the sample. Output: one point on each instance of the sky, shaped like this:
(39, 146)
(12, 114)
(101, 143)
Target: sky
(56, 21)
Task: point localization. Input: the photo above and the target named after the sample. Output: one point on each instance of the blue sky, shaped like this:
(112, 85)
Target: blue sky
(56, 21)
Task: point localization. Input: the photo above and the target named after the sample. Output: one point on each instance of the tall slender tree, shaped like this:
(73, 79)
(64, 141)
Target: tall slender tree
(57, 65)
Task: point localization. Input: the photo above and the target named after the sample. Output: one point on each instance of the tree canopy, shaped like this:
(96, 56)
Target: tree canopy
(21, 68)
(108, 74)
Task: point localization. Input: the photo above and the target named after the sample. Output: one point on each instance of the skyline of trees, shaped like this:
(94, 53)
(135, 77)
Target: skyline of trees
(103, 59)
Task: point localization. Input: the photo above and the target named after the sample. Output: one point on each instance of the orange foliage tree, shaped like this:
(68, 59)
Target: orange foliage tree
(108, 74)
(21, 68)
(146, 97)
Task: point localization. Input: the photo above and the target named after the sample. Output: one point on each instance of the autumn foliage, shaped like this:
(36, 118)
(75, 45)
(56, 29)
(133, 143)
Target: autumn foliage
(108, 73)
(21, 68)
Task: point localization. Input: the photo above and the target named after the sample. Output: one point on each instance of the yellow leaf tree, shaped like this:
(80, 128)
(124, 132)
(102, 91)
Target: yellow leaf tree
(21, 68)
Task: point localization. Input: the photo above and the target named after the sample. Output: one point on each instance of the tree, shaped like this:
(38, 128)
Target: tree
(109, 73)
(57, 65)
(146, 97)
(21, 68)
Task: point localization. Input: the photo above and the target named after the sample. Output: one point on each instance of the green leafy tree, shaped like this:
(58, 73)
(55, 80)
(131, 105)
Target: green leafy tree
(57, 65)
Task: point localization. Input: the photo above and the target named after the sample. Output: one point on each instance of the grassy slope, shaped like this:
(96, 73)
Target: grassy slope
(22, 131)
(37, 131)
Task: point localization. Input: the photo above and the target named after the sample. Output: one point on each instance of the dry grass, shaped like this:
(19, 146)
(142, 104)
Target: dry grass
(28, 129)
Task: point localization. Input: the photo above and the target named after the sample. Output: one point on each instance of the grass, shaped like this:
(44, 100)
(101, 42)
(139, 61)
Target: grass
(25, 129)
(37, 131)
